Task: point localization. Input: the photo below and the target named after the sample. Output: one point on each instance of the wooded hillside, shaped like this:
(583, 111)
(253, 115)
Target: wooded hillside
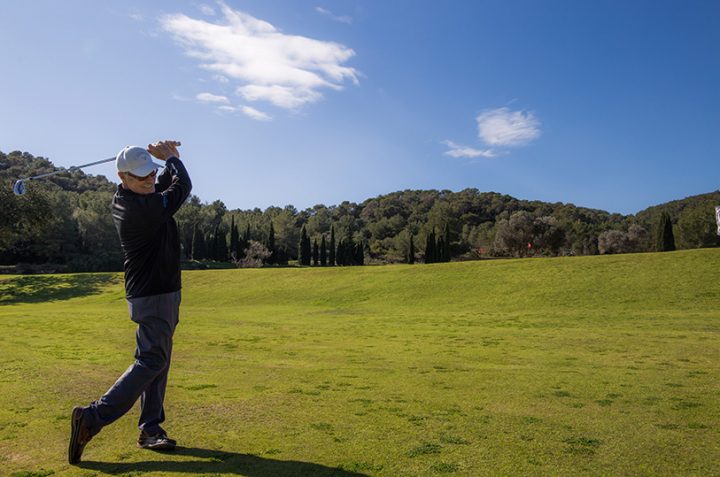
(65, 221)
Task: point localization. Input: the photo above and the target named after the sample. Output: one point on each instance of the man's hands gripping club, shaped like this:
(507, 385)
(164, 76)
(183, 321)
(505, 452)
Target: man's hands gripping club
(164, 150)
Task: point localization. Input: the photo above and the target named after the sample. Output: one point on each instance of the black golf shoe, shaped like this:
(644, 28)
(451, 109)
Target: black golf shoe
(80, 435)
(159, 441)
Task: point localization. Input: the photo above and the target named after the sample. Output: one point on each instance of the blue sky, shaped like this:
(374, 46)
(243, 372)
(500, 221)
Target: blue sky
(612, 105)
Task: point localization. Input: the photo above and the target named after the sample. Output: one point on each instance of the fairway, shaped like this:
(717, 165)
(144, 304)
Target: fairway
(600, 365)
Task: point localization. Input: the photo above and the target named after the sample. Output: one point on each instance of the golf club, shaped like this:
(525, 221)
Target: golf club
(19, 187)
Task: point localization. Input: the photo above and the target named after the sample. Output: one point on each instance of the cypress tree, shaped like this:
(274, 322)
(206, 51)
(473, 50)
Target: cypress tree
(340, 255)
(323, 252)
(233, 238)
(282, 256)
(349, 249)
(304, 248)
(198, 246)
(446, 245)
(665, 239)
(430, 247)
(271, 245)
(316, 253)
(439, 247)
(411, 252)
(246, 236)
(360, 253)
(220, 244)
(331, 257)
(240, 245)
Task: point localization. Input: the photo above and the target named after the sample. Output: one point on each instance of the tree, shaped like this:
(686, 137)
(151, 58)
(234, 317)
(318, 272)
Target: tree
(255, 255)
(697, 227)
(411, 251)
(359, 257)
(323, 252)
(220, 250)
(331, 256)
(271, 244)
(548, 236)
(614, 241)
(199, 249)
(340, 255)
(315, 253)
(234, 239)
(304, 252)
(430, 253)
(665, 241)
(445, 249)
(513, 235)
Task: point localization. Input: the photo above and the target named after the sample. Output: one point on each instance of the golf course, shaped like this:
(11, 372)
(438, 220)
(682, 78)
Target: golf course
(597, 365)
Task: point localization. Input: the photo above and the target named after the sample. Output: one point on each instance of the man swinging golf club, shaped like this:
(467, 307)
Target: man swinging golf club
(143, 214)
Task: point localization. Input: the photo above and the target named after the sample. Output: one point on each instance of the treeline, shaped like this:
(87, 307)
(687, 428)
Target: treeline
(65, 221)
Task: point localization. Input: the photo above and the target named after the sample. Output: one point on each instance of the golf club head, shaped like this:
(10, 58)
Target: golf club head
(19, 187)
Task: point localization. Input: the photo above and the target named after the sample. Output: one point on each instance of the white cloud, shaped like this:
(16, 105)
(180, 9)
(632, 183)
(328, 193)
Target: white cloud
(136, 16)
(457, 150)
(255, 114)
(207, 10)
(502, 127)
(221, 79)
(288, 71)
(252, 113)
(211, 98)
(329, 14)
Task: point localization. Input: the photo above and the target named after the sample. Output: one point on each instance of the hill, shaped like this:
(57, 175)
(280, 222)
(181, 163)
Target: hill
(566, 366)
(64, 224)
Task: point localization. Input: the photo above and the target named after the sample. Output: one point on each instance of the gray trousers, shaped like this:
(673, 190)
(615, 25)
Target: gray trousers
(156, 316)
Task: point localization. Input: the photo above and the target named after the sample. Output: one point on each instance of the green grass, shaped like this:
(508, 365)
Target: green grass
(571, 366)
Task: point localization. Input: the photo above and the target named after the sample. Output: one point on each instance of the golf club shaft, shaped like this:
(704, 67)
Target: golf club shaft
(67, 170)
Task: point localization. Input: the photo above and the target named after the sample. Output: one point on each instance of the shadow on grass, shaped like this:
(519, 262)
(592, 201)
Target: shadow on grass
(33, 289)
(220, 462)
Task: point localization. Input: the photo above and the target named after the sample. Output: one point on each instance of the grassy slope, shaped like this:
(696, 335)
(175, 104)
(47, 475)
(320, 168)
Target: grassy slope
(589, 365)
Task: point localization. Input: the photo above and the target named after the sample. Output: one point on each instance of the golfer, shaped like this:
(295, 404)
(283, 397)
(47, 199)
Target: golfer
(143, 214)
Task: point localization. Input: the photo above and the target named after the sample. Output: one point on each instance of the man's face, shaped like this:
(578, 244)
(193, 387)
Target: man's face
(139, 185)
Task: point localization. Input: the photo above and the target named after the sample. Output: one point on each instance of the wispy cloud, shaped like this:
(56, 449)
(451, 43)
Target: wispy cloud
(331, 15)
(211, 98)
(506, 128)
(457, 150)
(255, 114)
(288, 71)
(206, 9)
(252, 113)
(136, 16)
(499, 128)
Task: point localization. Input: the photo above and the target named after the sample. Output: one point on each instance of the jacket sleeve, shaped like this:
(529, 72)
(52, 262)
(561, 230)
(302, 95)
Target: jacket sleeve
(164, 179)
(163, 204)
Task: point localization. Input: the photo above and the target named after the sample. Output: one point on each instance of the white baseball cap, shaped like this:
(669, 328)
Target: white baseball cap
(135, 160)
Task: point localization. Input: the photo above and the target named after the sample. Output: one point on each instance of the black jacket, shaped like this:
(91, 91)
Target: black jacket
(148, 233)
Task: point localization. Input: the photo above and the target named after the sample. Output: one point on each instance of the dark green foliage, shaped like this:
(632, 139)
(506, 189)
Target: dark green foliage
(359, 253)
(219, 247)
(316, 253)
(234, 239)
(445, 249)
(271, 245)
(411, 251)
(282, 256)
(323, 252)
(340, 253)
(430, 252)
(199, 249)
(665, 240)
(304, 252)
(331, 255)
